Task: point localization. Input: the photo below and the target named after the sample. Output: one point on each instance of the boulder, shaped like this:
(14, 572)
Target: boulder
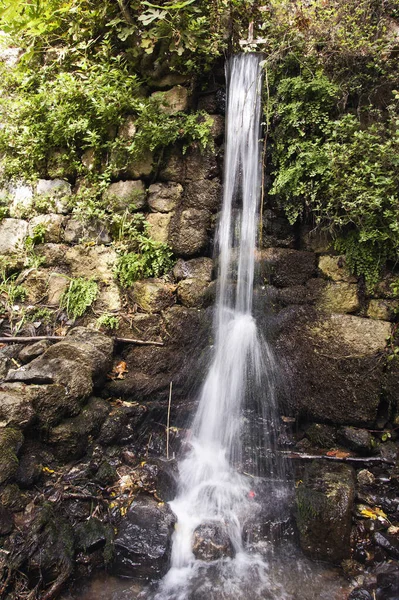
(192, 292)
(120, 426)
(204, 193)
(139, 167)
(324, 502)
(359, 440)
(92, 262)
(152, 295)
(159, 226)
(164, 197)
(143, 540)
(335, 268)
(56, 192)
(15, 407)
(339, 297)
(196, 268)
(189, 231)
(126, 196)
(192, 166)
(172, 101)
(211, 542)
(77, 231)
(332, 364)
(284, 267)
(13, 233)
(53, 224)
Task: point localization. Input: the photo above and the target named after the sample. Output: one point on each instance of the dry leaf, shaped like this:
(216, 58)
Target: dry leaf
(338, 453)
(118, 371)
(373, 513)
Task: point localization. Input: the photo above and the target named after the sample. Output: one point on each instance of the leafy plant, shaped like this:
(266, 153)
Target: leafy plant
(80, 294)
(107, 321)
(152, 259)
(11, 291)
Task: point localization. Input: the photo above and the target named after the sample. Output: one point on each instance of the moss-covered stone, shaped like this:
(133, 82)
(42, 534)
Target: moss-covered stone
(339, 297)
(153, 295)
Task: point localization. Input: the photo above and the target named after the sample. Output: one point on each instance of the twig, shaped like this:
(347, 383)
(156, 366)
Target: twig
(57, 338)
(168, 421)
(355, 459)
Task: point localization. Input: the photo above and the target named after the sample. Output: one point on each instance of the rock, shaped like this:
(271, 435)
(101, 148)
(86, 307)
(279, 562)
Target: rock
(332, 365)
(35, 284)
(55, 192)
(164, 197)
(205, 194)
(146, 326)
(324, 511)
(159, 226)
(30, 469)
(211, 542)
(92, 534)
(76, 232)
(153, 295)
(126, 196)
(53, 225)
(13, 233)
(141, 167)
(21, 200)
(335, 268)
(276, 231)
(127, 130)
(189, 232)
(169, 80)
(388, 542)
(340, 297)
(6, 521)
(196, 268)
(90, 160)
(142, 544)
(359, 440)
(172, 101)
(70, 438)
(193, 166)
(285, 267)
(364, 477)
(34, 350)
(120, 426)
(321, 435)
(15, 407)
(53, 255)
(56, 285)
(217, 129)
(316, 240)
(388, 581)
(60, 165)
(12, 498)
(192, 292)
(92, 262)
(360, 594)
(109, 299)
(10, 443)
(385, 310)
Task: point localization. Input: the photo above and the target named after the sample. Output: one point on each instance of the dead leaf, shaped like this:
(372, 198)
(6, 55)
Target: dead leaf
(373, 513)
(118, 371)
(338, 453)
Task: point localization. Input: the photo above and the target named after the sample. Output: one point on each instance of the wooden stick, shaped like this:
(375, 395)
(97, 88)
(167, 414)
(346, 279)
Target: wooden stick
(355, 459)
(168, 421)
(57, 338)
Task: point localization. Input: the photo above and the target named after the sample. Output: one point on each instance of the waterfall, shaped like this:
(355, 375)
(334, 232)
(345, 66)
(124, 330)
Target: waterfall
(232, 434)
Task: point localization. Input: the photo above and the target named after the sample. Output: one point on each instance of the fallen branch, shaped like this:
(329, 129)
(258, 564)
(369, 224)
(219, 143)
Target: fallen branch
(355, 459)
(57, 338)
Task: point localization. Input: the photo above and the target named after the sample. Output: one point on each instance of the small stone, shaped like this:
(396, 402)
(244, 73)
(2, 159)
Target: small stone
(13, 233)
(76, 231)
(126, 196)
(360, 594)
(164, 197)
(173, 101)
(15, 407)
(6, 521)
(159, 226)
(385, 310)
(364, 477)
(34, 350)
(388, 542)
(153, 295)
(211, 542)
(128, 129)
(359, 440)
(109, 299)
(56, 286)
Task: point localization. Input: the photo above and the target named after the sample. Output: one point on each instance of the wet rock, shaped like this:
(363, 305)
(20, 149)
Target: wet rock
(316, 240)
(193, 166)
(205, 194)
(217, 128)
(385, 310)
(53, 225)
(56, 192)
(6, 521)
(142, 544)
(13, 233)
(388, 582)
(365, 477)
(321, 435)
(10, 443)
(359, 440)
(340, 297)
(70, 438)
(284, 267)
(159, 226)
(164, 197)
(12, 498)
(333, 363)
(189, 231)
(192, 292)
(120, 426)
(324, 511)
(126, 196)
(389, 543)
(172, 101)
(147, 326)
(29, 469)
(153, 295)
(196, 268)
(15, 407)
(360, 594)
(335, 268)
(34, 350)
(158, 475)
(92, 534)
(211, 542)
(276, 231)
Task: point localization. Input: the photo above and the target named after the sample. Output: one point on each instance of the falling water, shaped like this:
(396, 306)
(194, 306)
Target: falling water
(232, 435)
